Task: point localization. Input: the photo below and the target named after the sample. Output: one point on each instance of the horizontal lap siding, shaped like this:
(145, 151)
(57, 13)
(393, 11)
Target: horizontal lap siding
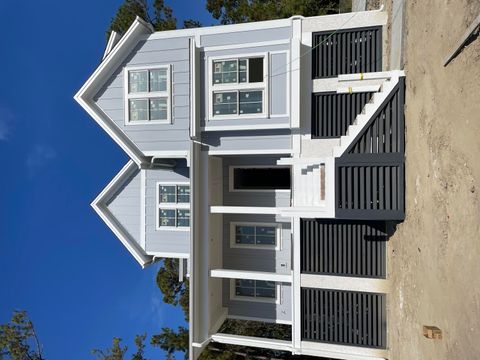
(125, 206)
(333, 113)
(344, 317)
(346, 52)
(154, 137)
(370, 176)
(163, 240)
(344, 248)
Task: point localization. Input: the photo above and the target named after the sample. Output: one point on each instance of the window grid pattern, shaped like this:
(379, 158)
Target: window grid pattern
(252, 235)
(173, 202)
(238, 87)
(256, 289)
(148, 95)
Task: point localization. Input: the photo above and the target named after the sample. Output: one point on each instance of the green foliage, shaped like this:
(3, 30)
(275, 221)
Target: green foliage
(16, 338)
(172, 341)
(139, 343)
(174, 292)
(240, 11)
(160, 16)
(190, 23)
(115, 352)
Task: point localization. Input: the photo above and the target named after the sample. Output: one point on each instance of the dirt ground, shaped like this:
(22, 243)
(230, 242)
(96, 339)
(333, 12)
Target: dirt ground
(434, 256)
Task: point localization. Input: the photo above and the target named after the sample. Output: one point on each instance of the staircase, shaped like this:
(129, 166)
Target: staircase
(390, 81)
(309, 184)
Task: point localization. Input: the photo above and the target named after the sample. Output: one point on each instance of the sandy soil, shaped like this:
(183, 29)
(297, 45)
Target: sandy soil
(434, 261)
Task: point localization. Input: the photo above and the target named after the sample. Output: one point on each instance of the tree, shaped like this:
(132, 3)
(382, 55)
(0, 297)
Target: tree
(174, 292)
(171, 341)
(240, 11)
(17, 337)
(118, 352)
(160, 16)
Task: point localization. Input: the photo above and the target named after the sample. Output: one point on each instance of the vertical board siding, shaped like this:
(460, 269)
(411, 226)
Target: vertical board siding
(370, 175)
(346, 52)
(344, 317)
(333, 113)
(344, 248)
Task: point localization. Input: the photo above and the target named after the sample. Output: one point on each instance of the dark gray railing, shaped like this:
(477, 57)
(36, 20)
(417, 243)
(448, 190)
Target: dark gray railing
(333, 113)
(343, 247)
(347, 51)
(344, 317)
(369, 177)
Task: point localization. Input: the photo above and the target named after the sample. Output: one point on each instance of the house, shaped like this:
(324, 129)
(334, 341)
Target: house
(268, 156)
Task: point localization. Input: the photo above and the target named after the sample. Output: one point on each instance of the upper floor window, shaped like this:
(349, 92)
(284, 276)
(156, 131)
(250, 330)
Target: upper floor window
(238, 87)
(173, 206)
(147, 97)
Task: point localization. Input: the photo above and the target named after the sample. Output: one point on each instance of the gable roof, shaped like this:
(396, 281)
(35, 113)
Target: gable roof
(109, 64)
(100, 205)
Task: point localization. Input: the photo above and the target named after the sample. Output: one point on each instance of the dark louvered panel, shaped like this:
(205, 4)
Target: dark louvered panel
(385, 133)
(344, 248)
(333, 113)
(344, 317)
(370, 191)
(348, 51)
(369, 176)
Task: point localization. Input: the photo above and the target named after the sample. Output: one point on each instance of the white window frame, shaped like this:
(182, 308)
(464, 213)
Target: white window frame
(231, 179)
(278, 236)
(237, 87)
(277, 300)
(147, 95)
(170, 206)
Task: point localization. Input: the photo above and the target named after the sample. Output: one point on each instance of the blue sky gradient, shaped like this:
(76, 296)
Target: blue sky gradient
(58, 260)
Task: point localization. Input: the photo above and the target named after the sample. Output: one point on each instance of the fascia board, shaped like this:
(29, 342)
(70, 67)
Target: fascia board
(85, 95)
(99, 205)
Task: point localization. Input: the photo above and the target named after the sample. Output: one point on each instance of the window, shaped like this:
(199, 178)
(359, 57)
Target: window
(259, 178)
(255, 235)
(148, 95)
(255, 290)
(238, 87)
(173, 206)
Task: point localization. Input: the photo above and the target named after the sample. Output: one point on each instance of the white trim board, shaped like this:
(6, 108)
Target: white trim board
(250, 275)
(266, 320)
(343, 352)
(159, 254)
(99, 205)
(252, 341)
(345, 283)
(251, 152)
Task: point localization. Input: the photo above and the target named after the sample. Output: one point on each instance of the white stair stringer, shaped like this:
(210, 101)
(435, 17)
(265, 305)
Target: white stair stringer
(367, 112)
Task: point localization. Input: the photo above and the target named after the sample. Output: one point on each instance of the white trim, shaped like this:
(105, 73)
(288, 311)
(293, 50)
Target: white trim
(248, 127)
(222, 29)
(250, 152)
(345, 283)
(358, 89)
(143, 189)
(278, 236)
(295, 73)
(245, 210)
(276, 300)
(266, 320)
(344, 21)
(343, 352)
(172, 255)
(296, 285)
(231, 169)
(252, 341)
(246, 45)
(193, 88)
(219, 322)
(237, 87)
(147, 95)
(112, 41)
(84, 96)
(250, 275)
(100, 208)
(301, 211)
(379, 75)
(171, 206)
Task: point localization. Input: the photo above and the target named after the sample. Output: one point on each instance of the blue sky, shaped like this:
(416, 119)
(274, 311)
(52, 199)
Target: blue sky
(58, 260)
